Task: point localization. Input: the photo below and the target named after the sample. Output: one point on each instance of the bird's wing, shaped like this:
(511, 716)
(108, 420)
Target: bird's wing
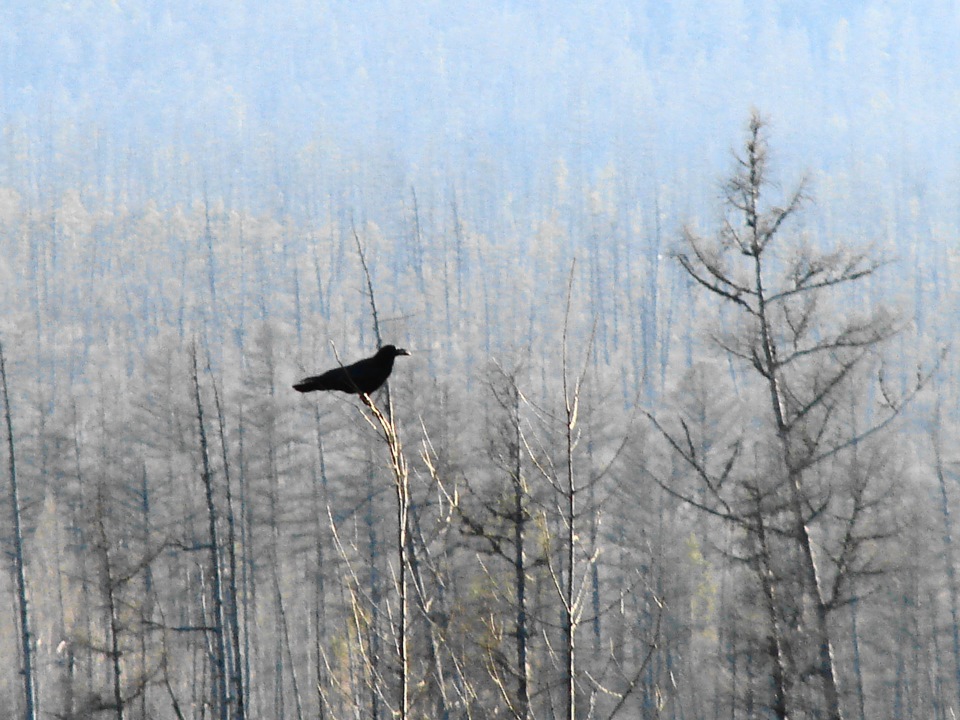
(365, 375)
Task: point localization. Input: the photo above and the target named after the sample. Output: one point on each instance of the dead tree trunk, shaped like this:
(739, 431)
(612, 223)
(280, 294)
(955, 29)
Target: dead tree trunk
(233, 605)
(949, 553)
(26, 642)
(219, 659)
(110, 583)
(398, 466)
(520, 564)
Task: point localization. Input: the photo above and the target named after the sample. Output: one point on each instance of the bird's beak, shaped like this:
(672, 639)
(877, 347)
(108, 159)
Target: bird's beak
(401, 351)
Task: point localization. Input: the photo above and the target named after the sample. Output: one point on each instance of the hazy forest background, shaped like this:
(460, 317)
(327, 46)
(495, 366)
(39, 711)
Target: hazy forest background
(677, 438)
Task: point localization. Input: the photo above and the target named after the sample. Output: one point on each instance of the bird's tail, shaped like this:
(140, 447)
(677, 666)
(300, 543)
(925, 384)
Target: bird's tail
(310, 384)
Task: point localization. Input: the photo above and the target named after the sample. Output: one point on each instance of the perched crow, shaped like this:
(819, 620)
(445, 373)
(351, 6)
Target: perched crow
(363, 376)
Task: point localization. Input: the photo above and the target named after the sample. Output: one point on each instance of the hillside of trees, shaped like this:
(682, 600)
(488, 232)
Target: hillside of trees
(677, 437)
(651, 457)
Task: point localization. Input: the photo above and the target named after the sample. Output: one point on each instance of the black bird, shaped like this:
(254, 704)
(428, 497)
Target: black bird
(363, 376)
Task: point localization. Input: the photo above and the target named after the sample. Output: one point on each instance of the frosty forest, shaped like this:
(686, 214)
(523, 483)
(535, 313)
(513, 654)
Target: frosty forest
(677, 435)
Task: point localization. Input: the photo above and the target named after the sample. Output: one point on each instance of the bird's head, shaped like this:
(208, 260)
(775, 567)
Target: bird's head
(392, 351)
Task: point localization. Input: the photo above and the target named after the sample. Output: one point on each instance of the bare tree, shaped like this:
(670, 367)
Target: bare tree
(386, 424)
(213, 539)
(502, 524)
(948, 540)
(233, 606)
(572, 590)
(23, 610)
(806, 360)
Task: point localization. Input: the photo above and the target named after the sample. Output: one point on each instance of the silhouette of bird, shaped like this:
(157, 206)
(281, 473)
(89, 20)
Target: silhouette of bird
(363, 376)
